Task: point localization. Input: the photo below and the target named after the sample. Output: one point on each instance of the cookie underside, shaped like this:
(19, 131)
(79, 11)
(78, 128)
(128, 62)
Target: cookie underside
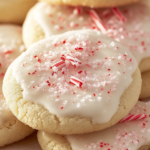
(13, 131)
(15, 10)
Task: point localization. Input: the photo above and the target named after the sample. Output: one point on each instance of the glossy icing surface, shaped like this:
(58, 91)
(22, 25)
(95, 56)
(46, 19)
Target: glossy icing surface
(75, 72)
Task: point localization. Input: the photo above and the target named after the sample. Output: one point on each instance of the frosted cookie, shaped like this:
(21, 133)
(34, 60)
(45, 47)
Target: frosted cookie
(91, 3)
(45, 20)
(11, 46)
(129, 135)
(14, 11)
(145, 85)
(76, 82)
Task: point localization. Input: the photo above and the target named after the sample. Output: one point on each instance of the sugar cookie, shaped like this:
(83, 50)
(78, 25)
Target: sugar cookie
(131, 135)
(11, 46)
(58, 80)
(45, 20)
(14, 11)
(91, 3)
(145, 85)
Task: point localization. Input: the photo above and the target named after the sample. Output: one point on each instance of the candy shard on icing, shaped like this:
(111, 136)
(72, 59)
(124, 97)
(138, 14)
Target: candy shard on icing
(98, 21)
(61, 97)
(133, 117)
(122, 136)
(76, 81)
(133, 31)
(118, 13)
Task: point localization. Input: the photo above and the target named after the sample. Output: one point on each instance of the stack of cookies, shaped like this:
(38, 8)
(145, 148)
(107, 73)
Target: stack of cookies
(11, 46)
(82, 77)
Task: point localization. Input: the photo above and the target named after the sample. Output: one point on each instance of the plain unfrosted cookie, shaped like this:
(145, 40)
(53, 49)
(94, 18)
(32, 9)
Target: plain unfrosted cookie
(58, 80)
(145, 92)
(131, 135)
(14, 11)
(11, 46)
(45, 20)
(91, 3)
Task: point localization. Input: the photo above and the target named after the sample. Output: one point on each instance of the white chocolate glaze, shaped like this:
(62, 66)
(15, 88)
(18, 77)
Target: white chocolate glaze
(11, 46)
(105, 68)
(122, 136)
(134, 32)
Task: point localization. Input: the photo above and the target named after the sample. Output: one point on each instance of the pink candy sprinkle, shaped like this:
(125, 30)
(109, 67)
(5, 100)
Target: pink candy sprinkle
(74, 61)
(76, 81)
(118, 13)
(59, 64)
(77, 10)
(97, 21)
(8, 52)
(133, 117)
(78, 48)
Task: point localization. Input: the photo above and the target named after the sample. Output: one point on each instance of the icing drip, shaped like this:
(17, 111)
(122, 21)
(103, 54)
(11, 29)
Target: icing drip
(121, 24)
(75, 72)
(122, 136)
(11, 46)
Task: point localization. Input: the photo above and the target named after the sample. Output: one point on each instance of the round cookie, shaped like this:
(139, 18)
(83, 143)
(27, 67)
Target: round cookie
(45, 20)
(58, 80)
(91, 3)
(11, 46)
(14, 11)
(132, 135)
(145, 85)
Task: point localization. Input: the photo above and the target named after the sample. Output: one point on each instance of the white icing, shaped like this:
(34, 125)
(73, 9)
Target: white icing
(122, 136)
(134, 32)
(60, 19)
(106, 72)
(11, 46)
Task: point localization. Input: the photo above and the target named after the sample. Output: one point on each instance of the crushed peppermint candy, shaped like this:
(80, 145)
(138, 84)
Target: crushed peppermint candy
(76, 81)
(118, 13)
(133, 117)
(98, 21)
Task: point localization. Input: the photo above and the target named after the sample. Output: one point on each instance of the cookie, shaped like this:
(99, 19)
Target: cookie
(130, 135)
(15, 11)
(11, 46)
(13, 131)
(91, 3)
(67, 83)
(145, 85)
(45, 20)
